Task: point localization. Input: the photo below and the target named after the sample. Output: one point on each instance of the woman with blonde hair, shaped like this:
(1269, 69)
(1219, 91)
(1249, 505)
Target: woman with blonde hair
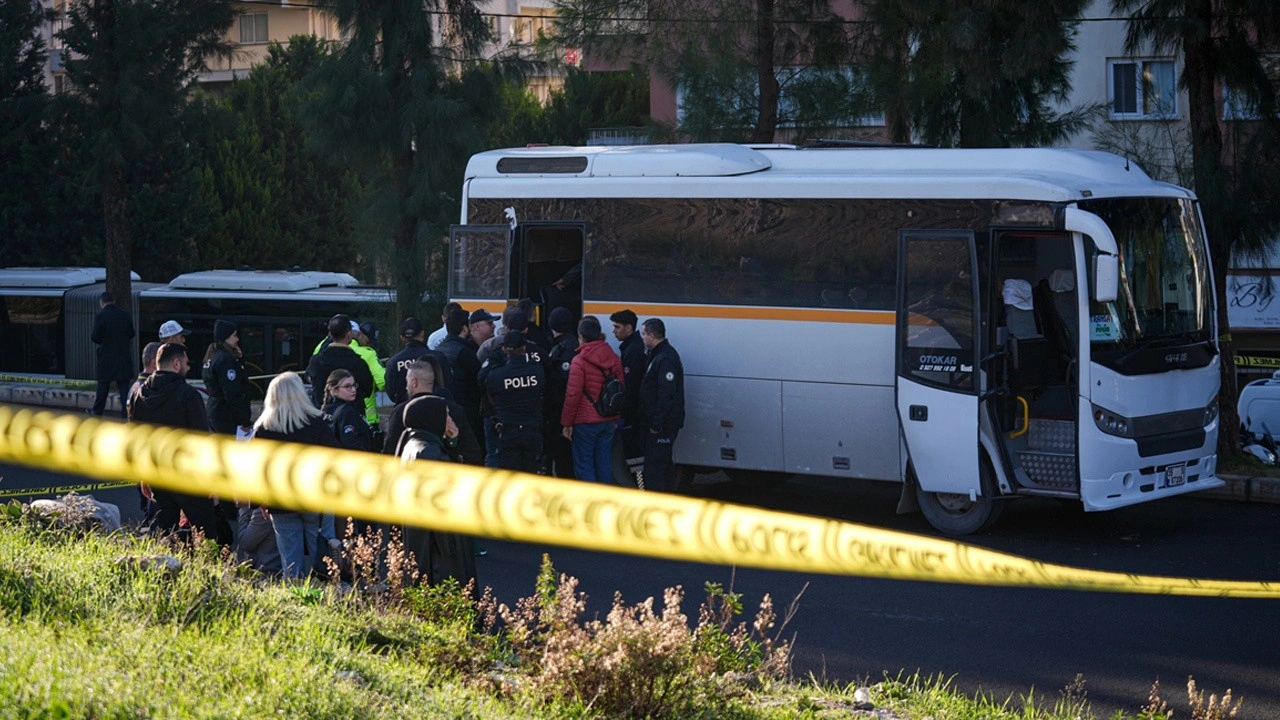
(289, 416)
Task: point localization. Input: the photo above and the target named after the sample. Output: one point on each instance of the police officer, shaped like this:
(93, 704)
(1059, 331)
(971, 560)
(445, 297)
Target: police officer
(515, 388)
(661, 405)
(412, 335)
(226, 381)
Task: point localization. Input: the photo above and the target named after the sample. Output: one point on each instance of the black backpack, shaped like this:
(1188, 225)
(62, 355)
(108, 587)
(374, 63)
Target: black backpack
(609, 404)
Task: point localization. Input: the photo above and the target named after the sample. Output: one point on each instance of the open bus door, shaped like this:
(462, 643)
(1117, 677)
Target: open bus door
(937, 377)
(480, 265)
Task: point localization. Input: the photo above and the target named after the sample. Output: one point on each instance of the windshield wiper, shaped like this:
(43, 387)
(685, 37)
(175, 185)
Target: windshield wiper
(1174, 338)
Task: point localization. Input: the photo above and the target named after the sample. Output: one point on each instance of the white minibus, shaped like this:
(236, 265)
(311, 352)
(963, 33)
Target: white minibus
(975, 324)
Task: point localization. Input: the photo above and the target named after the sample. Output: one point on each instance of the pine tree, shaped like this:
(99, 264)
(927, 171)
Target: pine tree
(383, 103)
(279, 203)
(742, 68)
(131, 63)
(1239, 187)
(32, 195)
(972, 73)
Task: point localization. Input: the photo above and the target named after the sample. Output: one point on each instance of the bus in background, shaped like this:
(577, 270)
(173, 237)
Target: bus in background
(975, 324)
(281, 315)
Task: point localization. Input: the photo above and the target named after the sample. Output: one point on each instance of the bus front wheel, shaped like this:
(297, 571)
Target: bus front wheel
(955, 514)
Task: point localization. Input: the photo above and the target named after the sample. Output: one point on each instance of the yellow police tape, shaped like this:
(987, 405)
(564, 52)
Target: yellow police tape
(63, 489)
(66, 383)
(536, 509)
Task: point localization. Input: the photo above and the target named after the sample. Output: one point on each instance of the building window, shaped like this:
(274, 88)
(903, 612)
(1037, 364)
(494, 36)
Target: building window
(1143, 89)
(253, 28)
(1237, 106)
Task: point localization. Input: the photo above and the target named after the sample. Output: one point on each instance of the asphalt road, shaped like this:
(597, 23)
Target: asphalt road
(1000, 641)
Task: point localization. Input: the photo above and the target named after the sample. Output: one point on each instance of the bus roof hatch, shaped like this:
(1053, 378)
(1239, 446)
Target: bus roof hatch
(697, 160)
(261, 280)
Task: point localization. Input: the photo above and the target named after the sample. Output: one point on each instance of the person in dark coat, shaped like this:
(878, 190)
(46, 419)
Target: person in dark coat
(460, 353)
(413, 335)
(226, 381)
(346, 413)
(166, 399)
(113, 334)
(420, 381)
(439, 555)
(564, 343)
(338, 355)
(631, 348)
(661, 406)
(515, 391)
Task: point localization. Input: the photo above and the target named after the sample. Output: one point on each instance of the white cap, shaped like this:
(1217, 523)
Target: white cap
(171, 328)
(355, 327)
(1017, 293)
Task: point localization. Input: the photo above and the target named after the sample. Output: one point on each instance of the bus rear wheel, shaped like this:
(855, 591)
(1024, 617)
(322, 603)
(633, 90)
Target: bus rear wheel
(955, 514)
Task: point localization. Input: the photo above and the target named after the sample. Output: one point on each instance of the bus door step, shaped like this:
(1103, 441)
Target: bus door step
(1049, 470)
(1056, 436)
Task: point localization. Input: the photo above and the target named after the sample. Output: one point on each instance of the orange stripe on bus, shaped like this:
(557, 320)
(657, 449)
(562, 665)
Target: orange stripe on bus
(865, 317)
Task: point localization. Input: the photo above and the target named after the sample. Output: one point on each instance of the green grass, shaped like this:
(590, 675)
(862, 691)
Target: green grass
(1247, 465)
(85, 636)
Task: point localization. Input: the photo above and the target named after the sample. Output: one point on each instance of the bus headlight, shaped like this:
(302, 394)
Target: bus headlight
(1111, 423)
(1211, 411)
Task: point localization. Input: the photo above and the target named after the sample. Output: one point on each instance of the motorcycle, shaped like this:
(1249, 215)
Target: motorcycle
(1262, 447)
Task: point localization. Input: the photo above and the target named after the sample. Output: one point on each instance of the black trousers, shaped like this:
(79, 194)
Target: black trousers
(104, 389)
(558, 452)
(200, 512)
(659, 469)
(441, 555)
(519, 448)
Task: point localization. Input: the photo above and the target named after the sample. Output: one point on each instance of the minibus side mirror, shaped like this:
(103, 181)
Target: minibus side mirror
(1106, 278)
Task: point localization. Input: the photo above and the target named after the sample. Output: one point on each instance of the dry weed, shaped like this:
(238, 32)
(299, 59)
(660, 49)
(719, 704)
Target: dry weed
(639, 661)
(1214, 709)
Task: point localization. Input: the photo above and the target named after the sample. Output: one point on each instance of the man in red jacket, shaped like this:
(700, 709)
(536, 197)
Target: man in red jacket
(590, 434)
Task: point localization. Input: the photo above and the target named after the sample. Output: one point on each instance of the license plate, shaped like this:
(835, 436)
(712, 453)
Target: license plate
(1175, 475)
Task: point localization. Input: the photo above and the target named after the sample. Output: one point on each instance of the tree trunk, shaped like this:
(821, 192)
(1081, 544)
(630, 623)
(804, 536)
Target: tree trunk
(119, 244)
(1200, 74)
(406, 260)
(767, 119)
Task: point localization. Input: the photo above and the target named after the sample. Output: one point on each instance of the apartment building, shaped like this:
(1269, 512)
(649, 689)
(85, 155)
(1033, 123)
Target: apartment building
(260, 23)
(516, 26)
(1138, 109)
(55, 69)
(520, 27)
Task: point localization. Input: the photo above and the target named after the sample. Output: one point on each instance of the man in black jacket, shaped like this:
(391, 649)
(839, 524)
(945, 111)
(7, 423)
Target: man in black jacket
(165, 398)
(413, 335)
(564, 344)
(112, 333)
(460, 352)
(661, 405)
(419, 381)
(338, 355)
(631, 348)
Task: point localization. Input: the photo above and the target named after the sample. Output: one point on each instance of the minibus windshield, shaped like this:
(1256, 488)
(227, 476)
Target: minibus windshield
(1165, 296)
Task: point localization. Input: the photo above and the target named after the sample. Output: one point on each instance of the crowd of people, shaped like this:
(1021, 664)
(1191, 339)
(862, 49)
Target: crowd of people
(516, 396)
